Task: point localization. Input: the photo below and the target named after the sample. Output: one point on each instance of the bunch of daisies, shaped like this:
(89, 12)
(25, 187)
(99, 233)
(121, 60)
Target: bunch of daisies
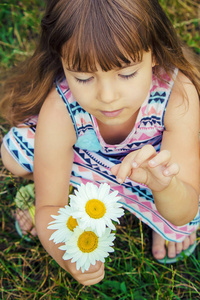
(84, 226)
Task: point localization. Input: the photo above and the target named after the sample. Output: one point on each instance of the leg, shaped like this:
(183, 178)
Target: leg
(11, 164)
(23, 217)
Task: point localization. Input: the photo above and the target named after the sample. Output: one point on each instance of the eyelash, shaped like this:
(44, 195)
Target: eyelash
(83, 81)
(126, 77)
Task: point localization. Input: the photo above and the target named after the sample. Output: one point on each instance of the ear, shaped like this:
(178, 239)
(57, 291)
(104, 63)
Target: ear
(153, 61)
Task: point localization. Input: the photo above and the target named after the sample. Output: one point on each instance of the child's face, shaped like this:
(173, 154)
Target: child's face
(112, 97)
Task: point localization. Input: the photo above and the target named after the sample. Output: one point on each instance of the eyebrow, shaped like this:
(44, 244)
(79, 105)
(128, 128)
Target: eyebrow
(123, 67)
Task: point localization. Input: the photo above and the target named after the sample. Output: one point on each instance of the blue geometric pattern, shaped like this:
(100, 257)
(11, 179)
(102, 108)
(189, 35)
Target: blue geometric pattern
(19, 142)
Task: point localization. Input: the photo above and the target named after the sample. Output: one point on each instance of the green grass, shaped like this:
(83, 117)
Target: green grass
(19, 23)
(185, 15)
(26, 270)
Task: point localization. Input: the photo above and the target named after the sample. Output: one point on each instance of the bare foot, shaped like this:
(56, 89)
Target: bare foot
(159, 249)
(25, 221)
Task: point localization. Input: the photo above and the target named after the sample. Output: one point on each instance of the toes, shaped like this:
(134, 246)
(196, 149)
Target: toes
(25, 222)
(176, 248)
(193, 237)
(171, 249)
(179, 248)
(186, 243)
(158, 246)
(33, 232)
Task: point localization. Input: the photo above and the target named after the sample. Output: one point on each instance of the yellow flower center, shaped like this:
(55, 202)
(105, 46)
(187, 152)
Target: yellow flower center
(95, 208)
(71, 223)
(87, 241)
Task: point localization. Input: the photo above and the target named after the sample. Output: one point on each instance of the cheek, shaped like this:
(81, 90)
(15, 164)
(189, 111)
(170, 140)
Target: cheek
(80, 92)
(142, 87)
(83, 99)
(139, 94)
(76, 91)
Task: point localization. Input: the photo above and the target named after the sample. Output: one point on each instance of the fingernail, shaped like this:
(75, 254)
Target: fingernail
(152, 162)
(119, 180)
(134, 164)
(166, 172)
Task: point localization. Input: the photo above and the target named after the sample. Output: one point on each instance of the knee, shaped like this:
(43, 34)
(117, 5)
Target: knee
(11, 164)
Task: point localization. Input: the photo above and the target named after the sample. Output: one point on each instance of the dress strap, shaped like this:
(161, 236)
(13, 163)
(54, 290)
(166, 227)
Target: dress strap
(81, 119)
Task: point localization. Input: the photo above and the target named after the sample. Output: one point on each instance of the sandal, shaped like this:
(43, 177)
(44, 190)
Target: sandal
(18, 229)
(178, 257)
(25, 199)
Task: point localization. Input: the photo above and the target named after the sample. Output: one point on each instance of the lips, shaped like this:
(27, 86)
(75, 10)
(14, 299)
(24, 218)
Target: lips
(112, 114)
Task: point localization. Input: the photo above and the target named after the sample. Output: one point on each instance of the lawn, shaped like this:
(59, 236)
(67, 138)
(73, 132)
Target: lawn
(26, 270)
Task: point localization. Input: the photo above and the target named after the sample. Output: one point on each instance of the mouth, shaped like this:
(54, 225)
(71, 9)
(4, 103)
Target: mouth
(112, 114)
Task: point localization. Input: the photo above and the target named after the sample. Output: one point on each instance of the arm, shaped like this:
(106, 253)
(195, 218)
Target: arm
(172, 174)
(181, 138)
(53, 160)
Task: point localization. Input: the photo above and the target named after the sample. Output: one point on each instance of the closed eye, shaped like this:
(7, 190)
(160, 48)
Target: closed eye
(128, 76)
(83, 81)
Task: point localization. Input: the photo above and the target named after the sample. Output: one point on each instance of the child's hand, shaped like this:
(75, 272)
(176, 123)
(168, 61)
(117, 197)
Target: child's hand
(94, 275)
(147, 167)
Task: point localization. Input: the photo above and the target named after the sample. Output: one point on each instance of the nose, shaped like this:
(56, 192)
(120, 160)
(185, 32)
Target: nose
(107, 91)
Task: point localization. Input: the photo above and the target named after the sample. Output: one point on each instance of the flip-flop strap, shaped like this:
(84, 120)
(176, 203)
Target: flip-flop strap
(31, 210)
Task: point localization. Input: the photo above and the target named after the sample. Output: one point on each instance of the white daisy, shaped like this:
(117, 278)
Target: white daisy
(95, 207)
(85, 247)
(64, 223)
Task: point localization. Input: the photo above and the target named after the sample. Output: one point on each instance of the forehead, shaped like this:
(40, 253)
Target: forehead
(88, 60)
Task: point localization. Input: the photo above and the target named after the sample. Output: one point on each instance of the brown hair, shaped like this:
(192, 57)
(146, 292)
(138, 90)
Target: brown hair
(86, 32)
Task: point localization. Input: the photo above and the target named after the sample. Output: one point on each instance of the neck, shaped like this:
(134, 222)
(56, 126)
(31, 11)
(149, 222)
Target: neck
(115, 134)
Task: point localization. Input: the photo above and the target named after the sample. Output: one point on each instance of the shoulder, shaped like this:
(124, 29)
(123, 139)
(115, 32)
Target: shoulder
(53, 104)
(183, 102)
(184, 87)
(55, 118)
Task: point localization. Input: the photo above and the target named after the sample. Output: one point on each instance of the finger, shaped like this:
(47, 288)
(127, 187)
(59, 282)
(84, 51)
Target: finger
(99, 266)
(134, 160)
(124, 168)
(145, 153)
(114, 169)
(171, 170)
(93, 281)
(162, 157)
(138, 175)
(94, 275)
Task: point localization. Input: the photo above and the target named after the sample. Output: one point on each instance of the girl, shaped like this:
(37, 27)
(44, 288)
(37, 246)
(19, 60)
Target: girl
(108, 96)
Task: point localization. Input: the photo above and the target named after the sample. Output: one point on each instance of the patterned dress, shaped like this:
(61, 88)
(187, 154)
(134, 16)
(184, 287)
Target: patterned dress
(93, 158)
